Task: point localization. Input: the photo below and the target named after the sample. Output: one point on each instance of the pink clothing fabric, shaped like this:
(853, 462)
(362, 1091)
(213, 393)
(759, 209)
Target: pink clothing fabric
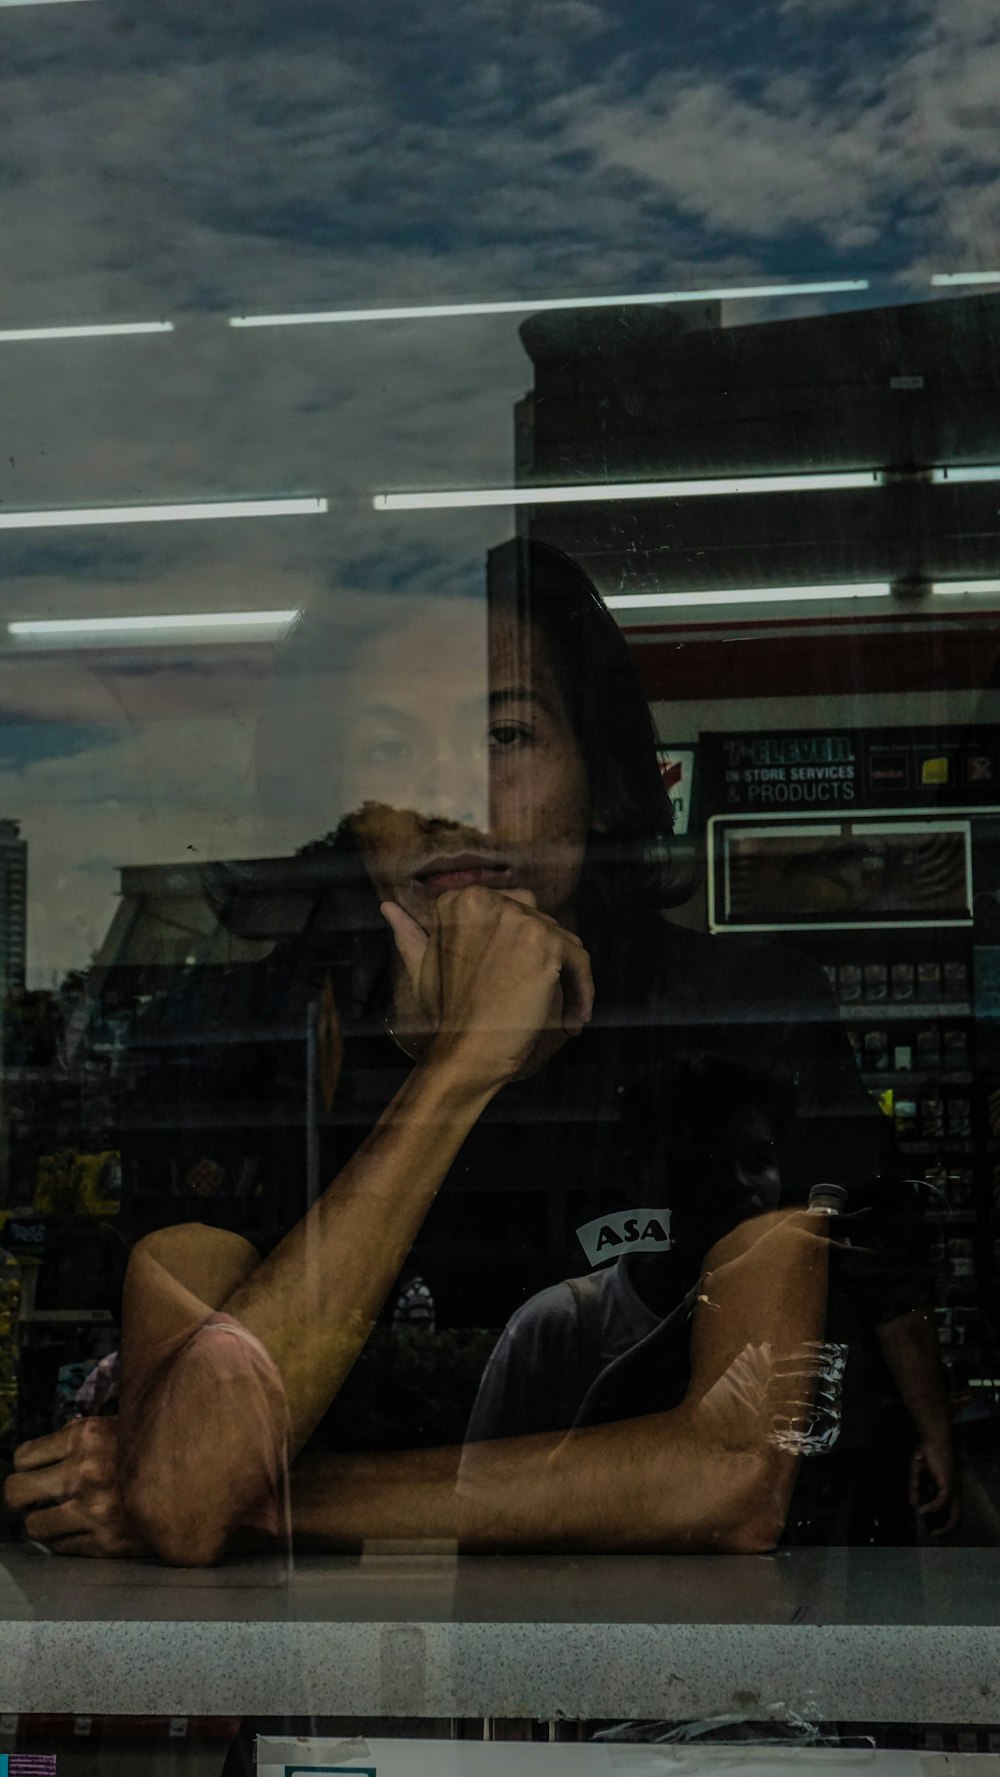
(220, 1359)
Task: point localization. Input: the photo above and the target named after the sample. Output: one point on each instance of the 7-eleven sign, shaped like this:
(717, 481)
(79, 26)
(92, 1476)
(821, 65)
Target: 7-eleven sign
(677, 769)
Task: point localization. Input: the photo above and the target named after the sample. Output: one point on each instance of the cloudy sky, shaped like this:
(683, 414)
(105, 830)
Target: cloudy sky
(187, 162)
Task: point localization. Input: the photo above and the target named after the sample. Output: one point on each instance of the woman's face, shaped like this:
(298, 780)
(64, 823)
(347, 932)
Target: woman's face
(459, 763)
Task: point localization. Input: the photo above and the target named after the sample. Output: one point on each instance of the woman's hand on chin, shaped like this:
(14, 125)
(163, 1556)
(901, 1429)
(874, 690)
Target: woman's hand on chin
(500, 985)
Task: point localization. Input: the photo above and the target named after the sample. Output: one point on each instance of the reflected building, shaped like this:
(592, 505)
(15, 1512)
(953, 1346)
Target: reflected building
(901, 399)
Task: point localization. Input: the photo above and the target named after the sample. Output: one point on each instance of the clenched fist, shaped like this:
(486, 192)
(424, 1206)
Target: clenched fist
(66, 1489)
(501, 985)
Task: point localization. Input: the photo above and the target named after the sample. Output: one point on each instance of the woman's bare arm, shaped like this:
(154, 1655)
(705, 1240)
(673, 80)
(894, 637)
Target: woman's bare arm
(715, 1473)
(503, 977)
(197, 1409)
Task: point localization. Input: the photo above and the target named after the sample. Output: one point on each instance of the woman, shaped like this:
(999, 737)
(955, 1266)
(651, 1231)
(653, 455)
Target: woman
(505, 909)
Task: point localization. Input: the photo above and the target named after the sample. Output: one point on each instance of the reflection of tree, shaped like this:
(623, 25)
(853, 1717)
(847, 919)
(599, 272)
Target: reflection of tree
(75, 984)
(33, 1028)
(59, 1079)
(315, 848)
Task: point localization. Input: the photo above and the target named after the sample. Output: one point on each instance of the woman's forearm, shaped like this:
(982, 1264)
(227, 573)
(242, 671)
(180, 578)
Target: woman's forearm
(646, 1484)
(314, 1301)
(910, 1347)
(716, 1472)
(209, 1449)
(504, 987)
(206, 1422)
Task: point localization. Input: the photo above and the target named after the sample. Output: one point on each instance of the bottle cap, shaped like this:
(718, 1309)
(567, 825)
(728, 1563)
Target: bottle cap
(831, 1200)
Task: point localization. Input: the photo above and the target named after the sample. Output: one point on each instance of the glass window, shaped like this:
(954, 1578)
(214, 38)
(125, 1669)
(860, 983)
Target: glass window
(499, 874)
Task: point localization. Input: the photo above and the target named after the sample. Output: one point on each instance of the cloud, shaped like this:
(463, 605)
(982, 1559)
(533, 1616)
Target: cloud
(757, 168)
(863, 150)
(165, 165)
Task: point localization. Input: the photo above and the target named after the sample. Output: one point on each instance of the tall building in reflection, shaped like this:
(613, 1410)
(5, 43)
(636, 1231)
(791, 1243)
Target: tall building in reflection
(904, 394)
(13, 905)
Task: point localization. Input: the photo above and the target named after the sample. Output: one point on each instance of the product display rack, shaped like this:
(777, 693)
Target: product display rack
(939, 1111)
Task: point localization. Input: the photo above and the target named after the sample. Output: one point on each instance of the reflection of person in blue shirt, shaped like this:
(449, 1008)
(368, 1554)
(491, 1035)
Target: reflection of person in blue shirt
(615, 1344)
(704, 1151)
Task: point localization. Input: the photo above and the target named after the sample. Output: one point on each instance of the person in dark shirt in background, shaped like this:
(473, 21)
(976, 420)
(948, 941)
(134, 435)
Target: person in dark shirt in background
(706, 1147)
(702, 1150)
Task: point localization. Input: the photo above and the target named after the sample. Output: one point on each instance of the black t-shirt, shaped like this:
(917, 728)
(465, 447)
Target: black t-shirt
(223, 1088)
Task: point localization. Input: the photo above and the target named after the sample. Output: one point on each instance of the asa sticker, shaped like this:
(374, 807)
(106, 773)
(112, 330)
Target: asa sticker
(630, 1231)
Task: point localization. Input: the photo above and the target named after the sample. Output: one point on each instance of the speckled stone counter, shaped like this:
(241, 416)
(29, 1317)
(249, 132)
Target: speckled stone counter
(889, 1635)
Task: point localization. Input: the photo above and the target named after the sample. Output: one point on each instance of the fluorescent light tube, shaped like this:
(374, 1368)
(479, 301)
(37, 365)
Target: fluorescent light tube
(957, 588)
(748, 595)
(966, 472)
(449, 310)
(101, 330)
(190, 623)
(966, 277)
(591, 494)
(88, 515)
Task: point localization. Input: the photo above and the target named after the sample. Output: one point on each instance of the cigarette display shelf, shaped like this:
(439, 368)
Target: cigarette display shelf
(905, 1011)
(938, 1099)
(60, 1337)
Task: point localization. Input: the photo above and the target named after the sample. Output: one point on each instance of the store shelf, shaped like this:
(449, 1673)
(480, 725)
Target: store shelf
(919, 1082)
(915, 1011)
(73, 1316)
(946, 1145)
(433, 1635)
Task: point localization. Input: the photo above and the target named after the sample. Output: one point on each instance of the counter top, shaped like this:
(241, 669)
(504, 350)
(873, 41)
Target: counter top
(838, 1634)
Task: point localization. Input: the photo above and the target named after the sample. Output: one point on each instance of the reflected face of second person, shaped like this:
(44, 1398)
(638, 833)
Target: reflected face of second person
(460, 765)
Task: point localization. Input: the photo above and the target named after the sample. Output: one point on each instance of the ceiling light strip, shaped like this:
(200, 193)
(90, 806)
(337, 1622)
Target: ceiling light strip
(100, 330)
(748, 595)
(126, 626)
(206, 509)
(959, 588)
(536, 305)
(599, 492)
(962, 472)
(943, 278)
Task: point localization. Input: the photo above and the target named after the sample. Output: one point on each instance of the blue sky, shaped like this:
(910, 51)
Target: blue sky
(23, 744)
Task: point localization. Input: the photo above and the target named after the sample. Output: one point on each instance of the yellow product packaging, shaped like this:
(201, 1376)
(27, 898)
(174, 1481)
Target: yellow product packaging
(53, 1183)
(97, 1184)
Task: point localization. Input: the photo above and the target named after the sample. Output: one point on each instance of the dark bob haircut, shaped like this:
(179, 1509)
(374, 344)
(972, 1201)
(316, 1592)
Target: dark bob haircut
(595, 670)
(627, 860)
(626, 866)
